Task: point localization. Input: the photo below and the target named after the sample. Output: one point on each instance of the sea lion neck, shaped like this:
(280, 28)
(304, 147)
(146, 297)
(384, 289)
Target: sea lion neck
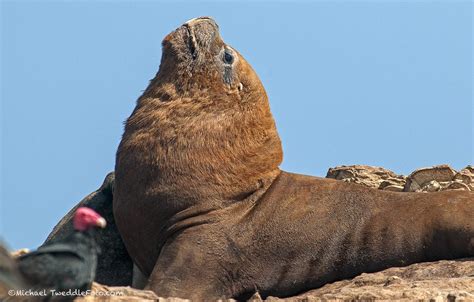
(190, 149)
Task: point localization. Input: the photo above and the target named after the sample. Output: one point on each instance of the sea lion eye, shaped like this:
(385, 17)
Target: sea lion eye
(228, 57)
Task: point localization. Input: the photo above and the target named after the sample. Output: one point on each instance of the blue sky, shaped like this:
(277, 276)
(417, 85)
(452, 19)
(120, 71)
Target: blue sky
(382, 83)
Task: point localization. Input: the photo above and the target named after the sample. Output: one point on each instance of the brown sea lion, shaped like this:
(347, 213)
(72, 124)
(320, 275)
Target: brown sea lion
(205, 211)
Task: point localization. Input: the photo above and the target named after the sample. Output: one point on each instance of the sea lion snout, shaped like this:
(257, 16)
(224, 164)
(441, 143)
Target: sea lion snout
(195, 38)
(195, 55)
(203, 35)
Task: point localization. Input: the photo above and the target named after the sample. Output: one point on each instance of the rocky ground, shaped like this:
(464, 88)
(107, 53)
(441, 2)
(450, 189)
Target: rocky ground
(431, 281)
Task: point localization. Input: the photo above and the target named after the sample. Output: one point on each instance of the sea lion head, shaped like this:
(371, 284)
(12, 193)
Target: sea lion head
(196, 59)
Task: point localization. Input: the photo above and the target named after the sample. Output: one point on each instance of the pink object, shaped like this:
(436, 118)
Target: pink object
(86, 218)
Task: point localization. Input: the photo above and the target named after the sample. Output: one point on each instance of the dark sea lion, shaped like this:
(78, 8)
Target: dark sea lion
(205, 211)
(114, 266)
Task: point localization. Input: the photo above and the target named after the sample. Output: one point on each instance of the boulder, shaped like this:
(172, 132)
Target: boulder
(430, 179)
(466, 176)
(429, 281)
(10, 278)
(374, 177)
(418, 179)
(105, 293)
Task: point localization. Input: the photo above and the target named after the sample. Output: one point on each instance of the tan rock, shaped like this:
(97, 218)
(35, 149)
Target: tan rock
(20, 252)
(469, 169)
(393, 188)
(420, 177)
(431, 281)
(431, 186)
(105, 293)
(392, 182)
(10, 278)
(255, 298)
(445, 184)
(466, 176)
(458, 186)
(431, 179)
(463, 177)
(374, 177)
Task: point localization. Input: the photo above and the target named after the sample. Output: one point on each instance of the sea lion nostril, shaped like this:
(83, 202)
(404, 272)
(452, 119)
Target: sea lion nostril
(191, 43)
(201, 34)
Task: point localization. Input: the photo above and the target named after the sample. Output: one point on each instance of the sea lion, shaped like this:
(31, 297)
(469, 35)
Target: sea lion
(114, 265)
(205, 211)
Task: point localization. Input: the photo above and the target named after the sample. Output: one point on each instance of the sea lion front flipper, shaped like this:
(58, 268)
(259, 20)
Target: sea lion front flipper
(189, 267)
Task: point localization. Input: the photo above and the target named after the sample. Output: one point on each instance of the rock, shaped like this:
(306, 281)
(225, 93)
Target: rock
(374, 177)
(10, 278)
(431, 186)
(429, 281)
(255, 298)
(393, 280)
(105, 293)
(431, 179)
(466, 176)
(18, 253)
(447, 280)
(458, 186)
(114, 265)
(417, 179)
(102, 293)
(469, 169)
(393, 188)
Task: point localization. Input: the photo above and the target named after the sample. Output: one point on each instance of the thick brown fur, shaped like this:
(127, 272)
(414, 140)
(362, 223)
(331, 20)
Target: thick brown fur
(205, 211)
